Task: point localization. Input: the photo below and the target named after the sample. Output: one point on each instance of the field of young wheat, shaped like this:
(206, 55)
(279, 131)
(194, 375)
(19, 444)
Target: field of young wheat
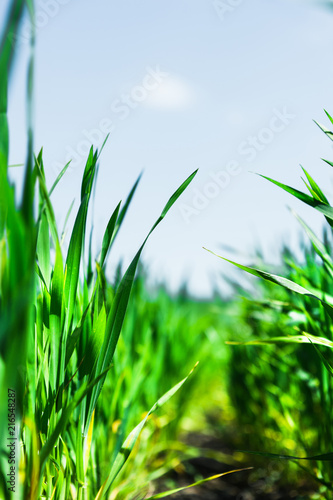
(119, 391)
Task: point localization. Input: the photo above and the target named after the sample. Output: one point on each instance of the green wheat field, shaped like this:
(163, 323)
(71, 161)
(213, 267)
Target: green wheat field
(104, 383)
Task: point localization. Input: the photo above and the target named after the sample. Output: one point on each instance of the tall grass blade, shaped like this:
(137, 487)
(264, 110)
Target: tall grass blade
(324, 208)
(324, 457)
(317, 244)
(197, 483)
(278, 280)
(315, 188)
(326, 131)
(295, 339)
(109, 234)
(76, 243)
(124, 210)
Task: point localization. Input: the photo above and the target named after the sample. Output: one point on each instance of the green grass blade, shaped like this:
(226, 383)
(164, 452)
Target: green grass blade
(317, 244)
(324, 457)
(76, 243)
(43, 249)
(7, 47)
(109, 235)
(124, 210)
(323, 359)
(72, 267)
(315, 188)
(79, 454)
(63, 233)
(306, 338)
(28, 187)
(174, 198)
(326, 131)
(46, 205)
(56, 316)
(102, 146)
(325, 209)
(88, 174)
(278, 280)
(95, 341)
(197, 483)
(328, 162)
(61, 174)
(329, 116)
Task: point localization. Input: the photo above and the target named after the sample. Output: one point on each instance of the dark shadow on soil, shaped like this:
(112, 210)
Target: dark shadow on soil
(264, 482)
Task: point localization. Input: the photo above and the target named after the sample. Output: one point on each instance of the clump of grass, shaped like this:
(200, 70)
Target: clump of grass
(298, 322)
(58, 333)
(70, 345)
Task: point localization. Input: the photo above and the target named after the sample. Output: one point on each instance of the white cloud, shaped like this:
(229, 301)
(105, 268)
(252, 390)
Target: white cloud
(173, 93)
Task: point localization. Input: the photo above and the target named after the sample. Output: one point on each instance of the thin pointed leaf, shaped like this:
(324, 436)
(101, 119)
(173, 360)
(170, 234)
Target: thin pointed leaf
(325, 457)
(124, 209)
(323, 358)
(197, 483)
(76, 243)
(327, 210)
(306, 338)
(325, 130)
(329, 116)
(109, 234)
(316, 188)
(328, 162)
(278, 280)
(54, 185)
(317, 244)
(102, 146)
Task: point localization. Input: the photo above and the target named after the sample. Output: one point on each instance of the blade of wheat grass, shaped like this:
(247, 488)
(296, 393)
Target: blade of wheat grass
(324, 457)
(109, 234)
(325, 361)
(59, 177)
(317, 244)
(328, 162)
(56, 317)
(279, 280)
(76, 243)
(7, 47)
(43, 249)
(325, 209)
(123, 211)
(306, 338)
(325, 130)
(197, 483)
(315, 188)
(46, 205)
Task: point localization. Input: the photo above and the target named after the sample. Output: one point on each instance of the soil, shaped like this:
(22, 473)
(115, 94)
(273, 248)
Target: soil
(264, 482)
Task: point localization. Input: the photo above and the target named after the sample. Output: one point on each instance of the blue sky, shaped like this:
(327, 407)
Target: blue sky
(229, 87)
